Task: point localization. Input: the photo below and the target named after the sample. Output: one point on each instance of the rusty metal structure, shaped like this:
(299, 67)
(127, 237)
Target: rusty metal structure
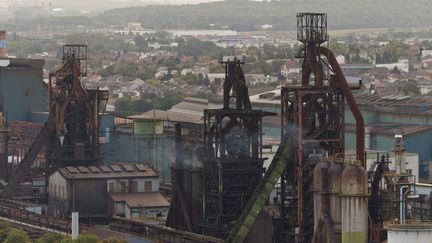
(77, 112)
(71, 134)
(233, 163)
(313, 115)
(210, 175)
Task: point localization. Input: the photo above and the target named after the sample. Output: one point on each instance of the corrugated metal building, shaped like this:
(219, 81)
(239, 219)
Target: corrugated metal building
(386, 115)
(23, 93)
(148, 139)
(97, 192)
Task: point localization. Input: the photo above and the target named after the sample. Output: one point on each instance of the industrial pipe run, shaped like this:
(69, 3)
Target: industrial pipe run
(360, 130)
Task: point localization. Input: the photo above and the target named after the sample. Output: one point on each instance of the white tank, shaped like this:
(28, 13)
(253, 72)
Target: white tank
(354, 205)
(318, 189)
(335, 189)
(411, 233)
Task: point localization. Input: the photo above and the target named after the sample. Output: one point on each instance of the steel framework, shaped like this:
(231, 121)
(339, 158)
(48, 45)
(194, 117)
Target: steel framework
(233, 163)
(312, 114)
(76, 111)
(71, 134)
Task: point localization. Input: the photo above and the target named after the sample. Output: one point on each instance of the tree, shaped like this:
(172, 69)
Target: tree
(4, 228)
(17, 236)
(141, 41)
(409, 87)
(50, 237)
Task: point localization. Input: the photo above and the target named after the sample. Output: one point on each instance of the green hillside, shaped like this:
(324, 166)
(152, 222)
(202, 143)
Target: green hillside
(243, 15)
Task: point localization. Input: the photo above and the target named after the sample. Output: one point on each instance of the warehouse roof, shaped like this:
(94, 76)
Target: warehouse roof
(169, 116)
(395, 103)
(141, 199)
(107, 171)
(390, 128)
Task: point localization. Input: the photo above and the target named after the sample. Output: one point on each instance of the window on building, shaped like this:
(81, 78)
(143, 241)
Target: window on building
(135, 212)
(123, 186)
(111, 186)
(148, 186)
(134, 186)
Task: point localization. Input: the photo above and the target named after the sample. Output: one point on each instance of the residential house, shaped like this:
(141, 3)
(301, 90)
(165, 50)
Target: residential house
(161, 72)
(289, 67)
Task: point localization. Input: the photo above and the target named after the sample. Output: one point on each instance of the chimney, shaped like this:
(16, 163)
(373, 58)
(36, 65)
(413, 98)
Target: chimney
(3, 44)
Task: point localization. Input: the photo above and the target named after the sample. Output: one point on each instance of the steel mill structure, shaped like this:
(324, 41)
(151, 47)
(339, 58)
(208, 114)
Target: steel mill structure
(220, 187)
(71, 134)
(312, 115)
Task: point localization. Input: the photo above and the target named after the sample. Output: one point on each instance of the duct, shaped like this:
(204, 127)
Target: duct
(360, 130)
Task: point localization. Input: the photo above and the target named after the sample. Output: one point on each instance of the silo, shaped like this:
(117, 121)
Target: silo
(318, 189)
(335, 189)
(354, 205)
(2, 44)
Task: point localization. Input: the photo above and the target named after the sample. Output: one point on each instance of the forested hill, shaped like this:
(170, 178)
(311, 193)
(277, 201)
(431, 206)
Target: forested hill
(243, 15)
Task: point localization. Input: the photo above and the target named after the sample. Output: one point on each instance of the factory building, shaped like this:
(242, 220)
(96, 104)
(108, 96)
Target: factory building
(122, 190)
(385, 116)
(149, 138)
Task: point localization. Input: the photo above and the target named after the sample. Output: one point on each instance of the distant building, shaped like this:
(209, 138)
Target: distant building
(340, 59)
(401, 66)
(289, 67)
(425, 53)
(134, 26)
(5, 10)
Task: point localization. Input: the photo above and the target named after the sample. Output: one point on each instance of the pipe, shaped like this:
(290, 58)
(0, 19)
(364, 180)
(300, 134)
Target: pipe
(402, 205)
(351, 103)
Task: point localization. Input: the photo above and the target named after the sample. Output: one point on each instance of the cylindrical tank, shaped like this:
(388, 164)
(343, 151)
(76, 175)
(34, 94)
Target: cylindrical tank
(354, 205)
(402, 233)
(2, 44)
(318, 190)
(335, 189)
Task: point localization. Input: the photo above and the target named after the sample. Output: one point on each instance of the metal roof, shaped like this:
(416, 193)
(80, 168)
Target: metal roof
(389, 129)
(169, 116)
(107, 171)
(141, 199)
(395, 103)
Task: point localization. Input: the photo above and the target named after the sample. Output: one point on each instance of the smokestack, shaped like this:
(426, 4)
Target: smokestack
(3, 44)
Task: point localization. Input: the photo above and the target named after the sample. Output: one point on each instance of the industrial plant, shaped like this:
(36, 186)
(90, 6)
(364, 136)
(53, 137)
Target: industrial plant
(210, 175)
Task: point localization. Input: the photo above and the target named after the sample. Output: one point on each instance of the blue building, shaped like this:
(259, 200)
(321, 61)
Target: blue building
(23, 93)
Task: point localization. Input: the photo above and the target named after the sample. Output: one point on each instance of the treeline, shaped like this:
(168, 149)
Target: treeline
(244, 15)
(126, 106)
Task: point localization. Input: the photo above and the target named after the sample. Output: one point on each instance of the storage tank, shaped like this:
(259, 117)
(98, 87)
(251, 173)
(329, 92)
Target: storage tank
(335, 189)
(354, 205)
(318, 189)
(416, 232)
